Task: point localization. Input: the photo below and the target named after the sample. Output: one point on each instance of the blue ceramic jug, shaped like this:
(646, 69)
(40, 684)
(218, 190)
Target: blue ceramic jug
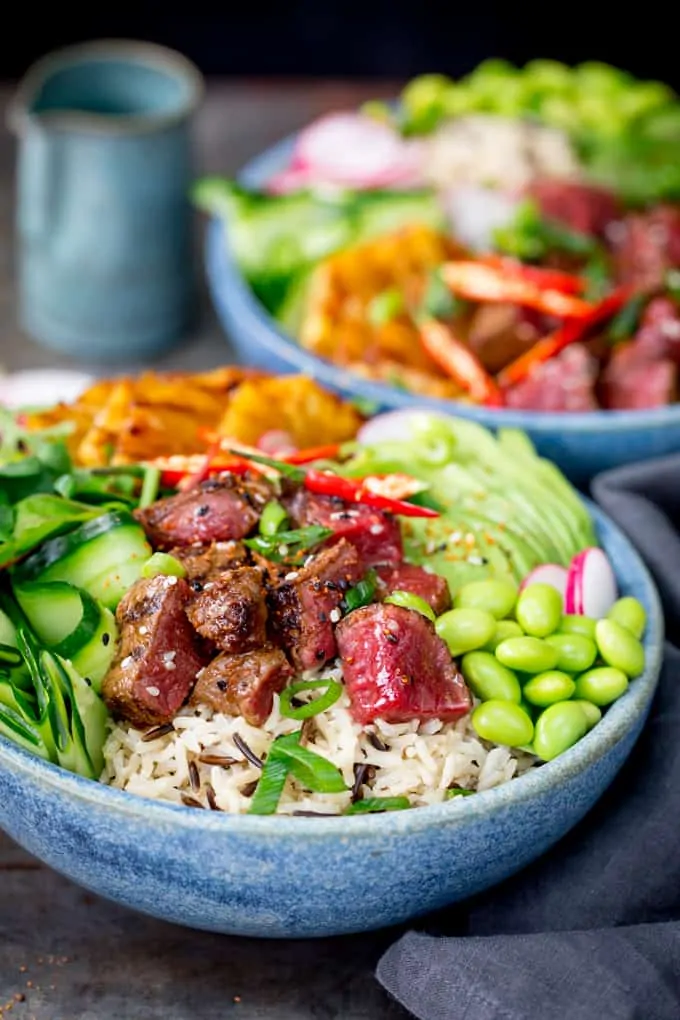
(103, 217)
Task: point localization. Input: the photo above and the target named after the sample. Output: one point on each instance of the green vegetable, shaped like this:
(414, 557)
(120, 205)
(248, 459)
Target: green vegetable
(626, 320)
(438, 301)
(629, 613)
(150, 487)
(385, 306)
(578, 625)
(504, 629)
(286, 545)
(558, 728)
(407, 600)
(592, 713)
(375, 805)
(104, 556)
(503, 722)
(548, 688)
(527, 654)
(602, 685)
(497, 597)
(270, 786)
(539, 610)
(530, 236)
(576, 651)
(332, 691)
(310, 769)
(63, 618)
(163, 563)
(274, 516)
(464, 630)
(458, 791)
(362, 594)
(41, 516)
(488, 679)
(619, 648)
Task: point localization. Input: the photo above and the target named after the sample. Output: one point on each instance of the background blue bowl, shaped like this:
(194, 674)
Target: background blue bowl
(581, 444)
(303, 877)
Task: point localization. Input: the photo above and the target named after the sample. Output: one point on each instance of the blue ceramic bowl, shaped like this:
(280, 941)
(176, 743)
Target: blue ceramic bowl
(283, 877)
(581, 444)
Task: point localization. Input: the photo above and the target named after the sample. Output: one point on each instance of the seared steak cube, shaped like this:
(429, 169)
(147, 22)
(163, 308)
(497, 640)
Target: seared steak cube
(205, 562)
(412, 578)
(305, 606)
(158, 657)
(231, 611)
(244, 684)
(375, 535)
(217, 510)
(397, 668)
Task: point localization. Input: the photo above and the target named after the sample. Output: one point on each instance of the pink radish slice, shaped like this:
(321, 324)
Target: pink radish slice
(591, 585)
(394, 425)
(276, 442)
(355, 150)
(547, 573)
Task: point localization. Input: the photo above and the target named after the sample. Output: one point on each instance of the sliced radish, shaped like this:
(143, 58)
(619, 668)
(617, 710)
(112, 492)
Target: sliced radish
(42, 387)
(394, 425)
(547, 573)
(275, 443)
(356, 151)
(475, 213)
(591, 585)
(289, 180)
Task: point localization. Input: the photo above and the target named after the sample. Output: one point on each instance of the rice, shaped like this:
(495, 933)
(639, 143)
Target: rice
(421, 761)
(496, 151)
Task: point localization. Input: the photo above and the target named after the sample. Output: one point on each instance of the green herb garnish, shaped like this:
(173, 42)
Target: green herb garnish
(286, 756)
(458, 791)
(438, 301)
(625, 322)
(376, 805)
(295, 474)
(332, 691)
(286, 545)
(385, 307)
(362, 594)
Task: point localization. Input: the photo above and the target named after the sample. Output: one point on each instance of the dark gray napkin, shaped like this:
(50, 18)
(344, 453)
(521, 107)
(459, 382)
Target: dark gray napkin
(592, 930)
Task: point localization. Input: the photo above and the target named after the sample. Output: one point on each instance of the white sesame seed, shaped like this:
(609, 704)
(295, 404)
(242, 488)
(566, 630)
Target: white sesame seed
(143, 630)
(169, 656)
(291, 576)
(376, 529)
(475, 561)
(153, 691)
(171, 580)
(334, 615)
(127, 661)
(455, 537)
(283, 550)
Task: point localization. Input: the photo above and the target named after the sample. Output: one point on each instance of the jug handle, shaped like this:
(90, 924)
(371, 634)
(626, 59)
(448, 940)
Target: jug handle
(37, 174)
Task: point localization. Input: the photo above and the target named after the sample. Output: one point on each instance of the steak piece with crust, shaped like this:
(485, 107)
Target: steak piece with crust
(376, 535)
(230, 611)
(206, 562)
(244, 684)
(158, 657)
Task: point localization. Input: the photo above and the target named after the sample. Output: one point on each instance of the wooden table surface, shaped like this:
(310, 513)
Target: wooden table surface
(64, 954)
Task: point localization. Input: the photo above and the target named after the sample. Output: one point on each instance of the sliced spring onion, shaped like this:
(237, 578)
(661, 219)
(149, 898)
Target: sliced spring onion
(407, 600)
(439, 302)
(286, 544)
(163, 563)
(10, 658)
(150, 487)
(458, 791)
(273, 517)
(385, 307)
(270, 786)
(625, 322)
(374, 805)
(332, 692)
(311, 770)
(362, 594)
(295, 474)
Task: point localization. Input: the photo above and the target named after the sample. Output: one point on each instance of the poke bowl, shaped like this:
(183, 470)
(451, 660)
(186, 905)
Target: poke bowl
(258, 692)
(608, 398)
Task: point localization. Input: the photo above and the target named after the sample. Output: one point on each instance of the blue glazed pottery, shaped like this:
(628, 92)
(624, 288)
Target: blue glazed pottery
(581, 444)
(282, 877)
(103, 219)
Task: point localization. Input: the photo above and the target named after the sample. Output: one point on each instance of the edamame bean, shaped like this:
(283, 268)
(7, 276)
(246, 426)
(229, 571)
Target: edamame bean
(539, 610)
(601, 685)
(576, 652)
(629, 613)
(503, 722)
(578, 625)
(504, 629)
(496, 596)
(593, 713)
(619, 648)
(527, 654)
(488, 679)
(549, 688)
(558, 728)
(463, 630)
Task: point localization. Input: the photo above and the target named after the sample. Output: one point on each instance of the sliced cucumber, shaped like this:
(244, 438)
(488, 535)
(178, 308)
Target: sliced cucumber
(104, 556)
(94, 658)
(8, 632)
(63, 617)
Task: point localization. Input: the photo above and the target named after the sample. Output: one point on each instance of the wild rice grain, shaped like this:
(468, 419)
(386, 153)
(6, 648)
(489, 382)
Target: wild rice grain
(191, 801)
(249, 789)
(194, 777)
(158, 731)
(378, 744)
(210, 797)
(246, 751)
(221, 760)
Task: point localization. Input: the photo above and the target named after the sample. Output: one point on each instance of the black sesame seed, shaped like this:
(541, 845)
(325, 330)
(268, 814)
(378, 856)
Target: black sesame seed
(197, 586)
(392, 638)
(105, 639)
(203, 511)
(222, 684)
(320, 654)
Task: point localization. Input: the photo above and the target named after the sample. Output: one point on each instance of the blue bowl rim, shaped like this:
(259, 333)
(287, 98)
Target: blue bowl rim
(618, 720)
(232, 294)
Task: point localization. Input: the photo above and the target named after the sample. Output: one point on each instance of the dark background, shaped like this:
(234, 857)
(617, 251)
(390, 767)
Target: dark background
(362, 38)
